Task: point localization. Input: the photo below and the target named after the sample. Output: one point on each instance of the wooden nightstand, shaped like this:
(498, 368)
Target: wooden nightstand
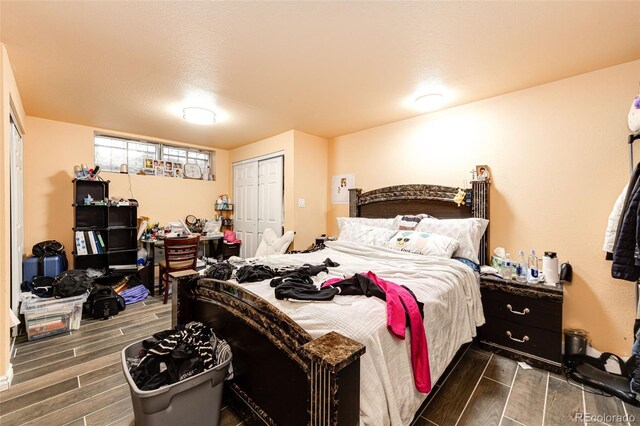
(523, 321)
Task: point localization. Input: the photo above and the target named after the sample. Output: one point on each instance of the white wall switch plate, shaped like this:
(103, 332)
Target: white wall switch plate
(300, 202)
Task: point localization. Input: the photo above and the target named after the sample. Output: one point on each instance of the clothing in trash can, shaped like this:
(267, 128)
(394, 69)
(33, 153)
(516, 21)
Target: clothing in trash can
(178, 354)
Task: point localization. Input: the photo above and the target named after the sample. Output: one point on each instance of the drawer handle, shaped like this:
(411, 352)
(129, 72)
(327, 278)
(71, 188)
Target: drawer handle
(524, 312)
(523, 340)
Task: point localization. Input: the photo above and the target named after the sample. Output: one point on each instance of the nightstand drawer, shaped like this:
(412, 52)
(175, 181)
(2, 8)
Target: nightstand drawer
(528, 311)
(524, 338)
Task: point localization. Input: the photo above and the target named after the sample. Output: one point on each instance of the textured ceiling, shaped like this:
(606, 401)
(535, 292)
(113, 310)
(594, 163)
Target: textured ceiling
(326, 68)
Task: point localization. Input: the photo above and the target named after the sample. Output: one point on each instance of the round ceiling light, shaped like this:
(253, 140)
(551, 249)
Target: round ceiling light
(197, 115)
(430, 101)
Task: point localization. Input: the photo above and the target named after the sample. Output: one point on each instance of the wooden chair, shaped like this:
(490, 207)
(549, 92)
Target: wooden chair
(179, 254)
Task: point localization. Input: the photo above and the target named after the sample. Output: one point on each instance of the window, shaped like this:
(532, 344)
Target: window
(111, 152)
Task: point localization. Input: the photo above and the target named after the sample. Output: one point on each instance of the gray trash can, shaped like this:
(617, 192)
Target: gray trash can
(194, 401)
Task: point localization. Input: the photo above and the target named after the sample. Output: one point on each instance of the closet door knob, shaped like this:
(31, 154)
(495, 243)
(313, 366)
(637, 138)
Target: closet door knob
(524, 312)
(523, 340)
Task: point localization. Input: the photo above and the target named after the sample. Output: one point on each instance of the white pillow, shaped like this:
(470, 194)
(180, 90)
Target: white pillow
(365, 234)
(380, 223)
(467, 232)
(408, 222)
(272, 244)
(423, 243)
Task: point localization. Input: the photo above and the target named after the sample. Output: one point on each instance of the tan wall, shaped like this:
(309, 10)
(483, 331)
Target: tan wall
(559, 159)
(310, 184)
(10, 102)
(52, 148)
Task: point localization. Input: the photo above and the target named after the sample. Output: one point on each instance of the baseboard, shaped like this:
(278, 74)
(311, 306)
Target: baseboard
(5, 381)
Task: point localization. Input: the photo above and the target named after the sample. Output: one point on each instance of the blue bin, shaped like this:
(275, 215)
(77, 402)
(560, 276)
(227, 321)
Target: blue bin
(52, 266)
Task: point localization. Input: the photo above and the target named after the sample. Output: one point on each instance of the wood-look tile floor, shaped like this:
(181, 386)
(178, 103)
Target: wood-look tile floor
(77, 379)
(487, 389)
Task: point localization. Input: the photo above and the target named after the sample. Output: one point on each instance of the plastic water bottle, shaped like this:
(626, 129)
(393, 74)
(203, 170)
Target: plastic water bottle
(507, 272)
(532, 268)
(521, 268)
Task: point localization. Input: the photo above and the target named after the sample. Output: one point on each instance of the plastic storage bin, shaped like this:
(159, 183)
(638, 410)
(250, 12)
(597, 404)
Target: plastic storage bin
(46, 317)
(53, 265)
(194, 401)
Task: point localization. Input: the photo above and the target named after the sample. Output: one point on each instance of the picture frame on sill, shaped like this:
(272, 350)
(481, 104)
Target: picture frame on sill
(483, 173)
(159, 170)
(177, 173)
(148, 163)
(168, 168)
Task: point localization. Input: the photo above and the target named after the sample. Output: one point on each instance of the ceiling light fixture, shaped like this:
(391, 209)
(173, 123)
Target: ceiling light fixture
(430, 101)
(197, 115)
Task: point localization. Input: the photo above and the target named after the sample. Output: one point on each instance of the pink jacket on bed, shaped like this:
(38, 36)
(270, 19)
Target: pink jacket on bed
(400, 305)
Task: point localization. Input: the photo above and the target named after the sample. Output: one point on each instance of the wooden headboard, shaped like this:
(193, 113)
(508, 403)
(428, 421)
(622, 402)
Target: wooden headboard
(435, 200)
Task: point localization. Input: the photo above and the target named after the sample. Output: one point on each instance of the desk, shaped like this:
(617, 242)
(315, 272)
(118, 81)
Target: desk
(210, 243)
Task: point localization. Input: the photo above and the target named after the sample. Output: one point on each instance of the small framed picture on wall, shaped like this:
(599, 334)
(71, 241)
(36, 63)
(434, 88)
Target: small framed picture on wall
(340, 185)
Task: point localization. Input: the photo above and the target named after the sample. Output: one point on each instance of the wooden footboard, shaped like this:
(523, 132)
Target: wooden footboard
(281, 374)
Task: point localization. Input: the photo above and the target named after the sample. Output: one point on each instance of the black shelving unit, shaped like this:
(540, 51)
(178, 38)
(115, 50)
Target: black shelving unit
(116, 225)
(226, 216)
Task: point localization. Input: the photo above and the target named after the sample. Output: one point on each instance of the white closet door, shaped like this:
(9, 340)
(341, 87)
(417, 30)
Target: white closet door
(245, 192)
(17, 215)
(270, 194)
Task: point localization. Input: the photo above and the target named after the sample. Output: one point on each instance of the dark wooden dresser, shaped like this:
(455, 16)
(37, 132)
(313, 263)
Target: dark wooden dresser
(523, 321)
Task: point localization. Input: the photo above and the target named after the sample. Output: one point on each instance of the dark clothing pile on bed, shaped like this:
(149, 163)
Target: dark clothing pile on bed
(254, 273)
(298, 283)
(176, 355)
(302, 274)
(222, 271)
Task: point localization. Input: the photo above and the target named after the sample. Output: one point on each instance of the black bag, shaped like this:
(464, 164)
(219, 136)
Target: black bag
(103, 303)
(49, 248)
(40, 286)
(593, 372)
(71, 283)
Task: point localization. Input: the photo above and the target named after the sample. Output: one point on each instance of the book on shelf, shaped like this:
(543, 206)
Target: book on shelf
(101, 241)
(81, 247)
(92, 241)
(89, 242)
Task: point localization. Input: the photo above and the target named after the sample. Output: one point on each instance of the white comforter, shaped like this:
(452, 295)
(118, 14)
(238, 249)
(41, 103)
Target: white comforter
(448, 289)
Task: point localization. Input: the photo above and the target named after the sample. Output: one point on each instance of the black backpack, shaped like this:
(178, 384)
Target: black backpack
(49, 248)
(104, 302)
(74, 282)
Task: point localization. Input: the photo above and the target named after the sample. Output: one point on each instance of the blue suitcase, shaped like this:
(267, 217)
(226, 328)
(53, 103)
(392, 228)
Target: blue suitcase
(53, 265)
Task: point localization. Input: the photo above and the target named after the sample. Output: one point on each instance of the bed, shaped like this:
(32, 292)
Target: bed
(335, 362)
